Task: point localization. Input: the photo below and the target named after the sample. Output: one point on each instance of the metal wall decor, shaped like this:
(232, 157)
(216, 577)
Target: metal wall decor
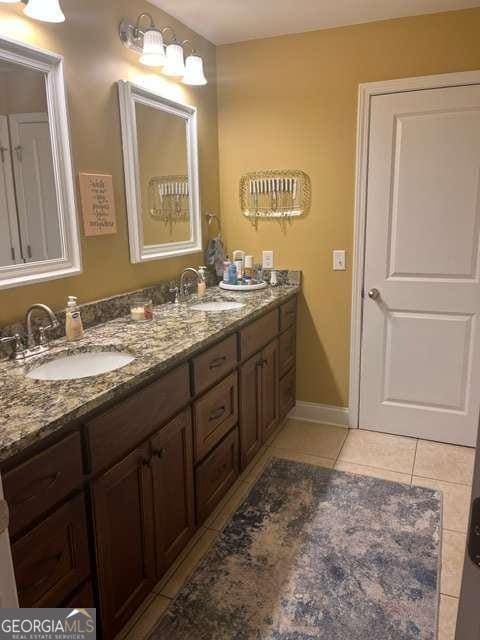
(169, 199)
(275, 194)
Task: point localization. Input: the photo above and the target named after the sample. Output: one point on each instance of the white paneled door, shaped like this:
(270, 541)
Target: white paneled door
(420, 358)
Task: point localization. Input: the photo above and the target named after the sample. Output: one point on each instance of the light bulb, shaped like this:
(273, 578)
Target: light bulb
(194, 74)
(153, 53)
(174, 65)
(44, 10)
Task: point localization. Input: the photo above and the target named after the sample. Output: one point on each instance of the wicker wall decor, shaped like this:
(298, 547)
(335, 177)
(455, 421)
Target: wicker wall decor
(169, 199)
(275, 194)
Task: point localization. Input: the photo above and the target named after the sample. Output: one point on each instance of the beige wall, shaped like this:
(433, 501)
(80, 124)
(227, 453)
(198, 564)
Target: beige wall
(95, 60)
(22, 91)
(290, 102)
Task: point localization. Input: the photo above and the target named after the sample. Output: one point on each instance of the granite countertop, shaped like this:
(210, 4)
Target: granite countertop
(33, 409)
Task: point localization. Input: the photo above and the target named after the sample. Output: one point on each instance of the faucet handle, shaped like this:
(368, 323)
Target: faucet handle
(175, 291)
(18, 348)
(42, 331)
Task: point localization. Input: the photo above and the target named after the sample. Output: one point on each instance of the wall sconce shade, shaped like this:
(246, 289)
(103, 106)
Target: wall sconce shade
(194, 74)
(44, 10)
(153, 53)
(174, 65)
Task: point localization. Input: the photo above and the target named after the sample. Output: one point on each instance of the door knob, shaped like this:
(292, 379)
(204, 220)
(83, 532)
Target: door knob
(374, 294)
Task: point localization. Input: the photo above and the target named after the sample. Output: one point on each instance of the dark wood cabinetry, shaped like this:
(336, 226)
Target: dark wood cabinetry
(216, 474)
(173, 491)
(215, 414)
(250, 409)
(259, 395)
(43, 481)
(269, 405)
(104, 511)
(53, 559)
(124, 537)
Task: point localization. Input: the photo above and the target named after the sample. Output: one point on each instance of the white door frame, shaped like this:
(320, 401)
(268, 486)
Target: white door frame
(365, 93)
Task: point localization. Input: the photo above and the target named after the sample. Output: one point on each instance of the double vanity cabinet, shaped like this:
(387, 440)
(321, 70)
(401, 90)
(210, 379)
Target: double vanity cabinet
(100, 511)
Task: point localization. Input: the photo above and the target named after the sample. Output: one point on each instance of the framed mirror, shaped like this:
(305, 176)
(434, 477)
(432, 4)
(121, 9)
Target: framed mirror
(39, 237)
(161, 174)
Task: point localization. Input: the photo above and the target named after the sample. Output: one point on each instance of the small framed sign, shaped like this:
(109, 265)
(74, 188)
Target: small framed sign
(98, 205)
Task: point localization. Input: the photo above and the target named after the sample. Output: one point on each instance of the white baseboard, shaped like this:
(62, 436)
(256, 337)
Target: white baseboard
(323, 413)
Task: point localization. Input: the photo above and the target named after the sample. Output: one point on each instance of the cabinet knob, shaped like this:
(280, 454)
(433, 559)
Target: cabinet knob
(161, 452)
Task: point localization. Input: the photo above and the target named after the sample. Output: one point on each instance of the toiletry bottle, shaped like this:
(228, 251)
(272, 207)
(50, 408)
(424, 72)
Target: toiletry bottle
(73, 320)
(273, 278)
(248, 267)
(232, 273)
(226, 264)
(238, 257)
(202, 283)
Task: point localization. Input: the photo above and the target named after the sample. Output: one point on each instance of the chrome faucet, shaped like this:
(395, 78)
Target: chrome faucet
(184, 289)
(32, 347)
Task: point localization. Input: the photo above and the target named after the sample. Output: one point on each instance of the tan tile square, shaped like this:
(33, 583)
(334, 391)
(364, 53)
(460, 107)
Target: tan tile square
(381, 450)
(444, 462)
(456, 502)
(374, 472)
(447, 618)
(311, 438)
(149, 619)
(189, 564)
(453, 552)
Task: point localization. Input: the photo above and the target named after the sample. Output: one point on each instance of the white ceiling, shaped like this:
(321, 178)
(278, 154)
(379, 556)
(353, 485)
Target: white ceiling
(226, 21)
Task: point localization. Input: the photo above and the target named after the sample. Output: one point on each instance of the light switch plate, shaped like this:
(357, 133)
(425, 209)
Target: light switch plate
(339, 260)
(267, 260)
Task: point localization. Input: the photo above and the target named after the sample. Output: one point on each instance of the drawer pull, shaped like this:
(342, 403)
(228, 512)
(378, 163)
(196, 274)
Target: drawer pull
(50, 482)
(218, 413)
(38, 583)
(217, 362)
(160, 453)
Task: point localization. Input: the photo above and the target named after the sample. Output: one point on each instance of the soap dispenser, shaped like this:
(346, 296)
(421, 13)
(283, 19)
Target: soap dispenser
(202, 282)
(73, 320)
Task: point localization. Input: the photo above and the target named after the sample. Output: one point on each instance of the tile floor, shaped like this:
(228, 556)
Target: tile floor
(443, 467)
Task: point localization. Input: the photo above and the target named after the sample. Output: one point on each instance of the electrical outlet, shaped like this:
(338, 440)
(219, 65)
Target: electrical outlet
(267, 260)
(339, 260)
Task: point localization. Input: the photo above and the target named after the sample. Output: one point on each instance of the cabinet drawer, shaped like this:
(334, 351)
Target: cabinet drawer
(258, 334)
(214, 364)
(287, 393)
(115, 432)
(83, 598)
(38, 484)
(215, 414)
(288, 314)
(216, 475)
(287, 349)
(52, 559)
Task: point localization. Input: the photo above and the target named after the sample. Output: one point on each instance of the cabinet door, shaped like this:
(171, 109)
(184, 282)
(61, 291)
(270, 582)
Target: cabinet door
(173, 493)
(269, 404)
(124, 536)
(250, 409)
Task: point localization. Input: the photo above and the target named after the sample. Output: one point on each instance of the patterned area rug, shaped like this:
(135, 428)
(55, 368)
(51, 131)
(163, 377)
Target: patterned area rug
(315, 553)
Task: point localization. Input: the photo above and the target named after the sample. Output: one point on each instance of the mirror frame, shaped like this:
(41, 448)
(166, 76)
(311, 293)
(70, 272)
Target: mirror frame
(70, 263)
(129, 94)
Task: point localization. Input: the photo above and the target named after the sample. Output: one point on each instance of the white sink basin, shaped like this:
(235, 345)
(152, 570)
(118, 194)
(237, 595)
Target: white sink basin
(221, 305)
(80, 365)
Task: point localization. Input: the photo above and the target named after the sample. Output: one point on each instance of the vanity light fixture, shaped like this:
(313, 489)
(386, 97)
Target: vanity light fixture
(44, 10)
(194, 74)
(150, 43)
